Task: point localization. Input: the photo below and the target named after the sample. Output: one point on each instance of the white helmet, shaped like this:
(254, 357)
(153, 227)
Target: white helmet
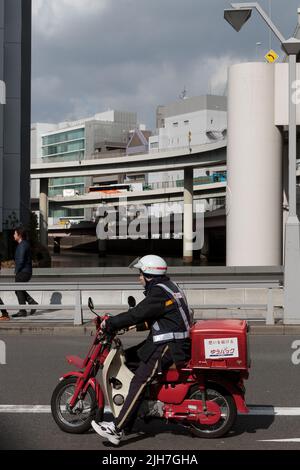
(150, 264)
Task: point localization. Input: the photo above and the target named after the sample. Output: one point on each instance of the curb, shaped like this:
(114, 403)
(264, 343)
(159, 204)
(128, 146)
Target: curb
(88, 329)
(274, 330)
(47, 330)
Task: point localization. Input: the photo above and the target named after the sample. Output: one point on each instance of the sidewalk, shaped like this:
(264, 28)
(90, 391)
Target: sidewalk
(65, 327)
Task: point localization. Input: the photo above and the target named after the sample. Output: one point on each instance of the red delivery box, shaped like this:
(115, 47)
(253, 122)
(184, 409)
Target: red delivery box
(219, 344)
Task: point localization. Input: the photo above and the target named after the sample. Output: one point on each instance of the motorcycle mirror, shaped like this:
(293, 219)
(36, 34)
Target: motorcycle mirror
(131, 301)
(91, 304)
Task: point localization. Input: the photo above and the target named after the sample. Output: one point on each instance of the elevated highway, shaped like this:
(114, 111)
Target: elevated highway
(212, 155)
(140, 197)
(201, 156)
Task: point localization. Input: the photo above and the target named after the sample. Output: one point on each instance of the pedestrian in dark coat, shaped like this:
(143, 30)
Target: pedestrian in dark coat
(23, 269)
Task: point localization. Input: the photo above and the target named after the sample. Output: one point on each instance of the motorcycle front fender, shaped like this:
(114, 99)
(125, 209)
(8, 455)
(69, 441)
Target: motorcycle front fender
(91, 382)
(76, 361)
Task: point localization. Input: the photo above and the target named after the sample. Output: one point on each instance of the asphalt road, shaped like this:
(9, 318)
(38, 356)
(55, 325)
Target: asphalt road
(35, 363)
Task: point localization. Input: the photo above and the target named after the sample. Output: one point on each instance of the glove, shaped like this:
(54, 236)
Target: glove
(105, 327)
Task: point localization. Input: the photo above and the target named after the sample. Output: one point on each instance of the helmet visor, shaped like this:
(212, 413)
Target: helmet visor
(135, 263)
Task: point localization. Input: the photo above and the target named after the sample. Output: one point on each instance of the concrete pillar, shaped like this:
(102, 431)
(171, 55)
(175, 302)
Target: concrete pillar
(44, 184)
(188, 216)
(254, 165)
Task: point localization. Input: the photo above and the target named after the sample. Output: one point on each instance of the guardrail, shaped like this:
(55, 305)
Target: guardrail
(81, 290)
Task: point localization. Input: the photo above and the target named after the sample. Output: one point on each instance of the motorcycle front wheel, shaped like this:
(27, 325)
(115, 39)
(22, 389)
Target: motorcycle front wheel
(227, 405)
(78, 420)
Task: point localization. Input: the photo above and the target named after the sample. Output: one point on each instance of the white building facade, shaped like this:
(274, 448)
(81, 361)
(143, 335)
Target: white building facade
(185, 124)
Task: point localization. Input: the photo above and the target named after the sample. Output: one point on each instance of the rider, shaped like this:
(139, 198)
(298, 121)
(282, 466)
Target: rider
(165, 312)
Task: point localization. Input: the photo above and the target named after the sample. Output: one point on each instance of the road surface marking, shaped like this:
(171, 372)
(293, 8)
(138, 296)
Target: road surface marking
(24, 409)
(296, 439)
(253, 410)
(274, 411)
(35, 409)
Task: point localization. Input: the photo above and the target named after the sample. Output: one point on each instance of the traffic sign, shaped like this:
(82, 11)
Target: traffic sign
(271, 56)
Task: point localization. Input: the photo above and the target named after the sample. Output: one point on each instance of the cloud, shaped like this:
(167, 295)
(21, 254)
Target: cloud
(217, 71)
(53, 17)
(91, 55)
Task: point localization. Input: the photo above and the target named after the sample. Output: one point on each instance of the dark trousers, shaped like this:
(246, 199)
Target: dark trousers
(4, 312)
(145, 372)
(23, 296)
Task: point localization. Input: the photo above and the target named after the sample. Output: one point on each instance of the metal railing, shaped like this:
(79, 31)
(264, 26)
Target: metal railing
(79, 288)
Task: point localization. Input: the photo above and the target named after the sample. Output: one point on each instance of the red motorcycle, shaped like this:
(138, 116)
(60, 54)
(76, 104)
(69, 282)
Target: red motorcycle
(205, 396)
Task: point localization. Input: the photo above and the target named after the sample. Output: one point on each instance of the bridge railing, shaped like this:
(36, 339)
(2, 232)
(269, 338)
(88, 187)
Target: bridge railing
(113, 297)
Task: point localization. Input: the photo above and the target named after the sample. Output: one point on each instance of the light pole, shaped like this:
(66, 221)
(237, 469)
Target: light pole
(270, 32)
(258, 44)
(237, 17)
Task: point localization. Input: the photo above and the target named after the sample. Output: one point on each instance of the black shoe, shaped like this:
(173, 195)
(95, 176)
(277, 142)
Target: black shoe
(21, 313)
(32, 302)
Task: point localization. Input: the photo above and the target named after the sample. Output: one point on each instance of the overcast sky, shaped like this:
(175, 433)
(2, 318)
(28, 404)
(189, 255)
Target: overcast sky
(132, 55)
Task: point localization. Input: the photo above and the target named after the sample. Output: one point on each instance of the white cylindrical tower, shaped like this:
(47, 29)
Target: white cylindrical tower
(254, 165)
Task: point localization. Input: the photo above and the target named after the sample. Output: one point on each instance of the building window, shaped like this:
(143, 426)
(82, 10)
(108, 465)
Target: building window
(154, 145)
(57, 185)
(175, 124)
(65, 148)
(186, 123)
(60, 213)
(66, 136)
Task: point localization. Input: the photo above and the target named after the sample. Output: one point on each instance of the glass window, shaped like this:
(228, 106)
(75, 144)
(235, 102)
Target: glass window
(63, 148)
(56, 213)
(63, 137)
(60, 191)
(65, 181)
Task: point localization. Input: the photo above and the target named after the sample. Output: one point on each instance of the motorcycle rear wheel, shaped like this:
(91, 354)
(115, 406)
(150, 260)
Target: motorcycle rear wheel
(77, 421)
(228, 411)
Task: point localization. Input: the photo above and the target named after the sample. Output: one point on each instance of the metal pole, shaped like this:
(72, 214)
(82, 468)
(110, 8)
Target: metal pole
(78, 314)
(292, 240)
(270, 32)
(292, 136)
(257, 51)
(263, 14)
(270, 320)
